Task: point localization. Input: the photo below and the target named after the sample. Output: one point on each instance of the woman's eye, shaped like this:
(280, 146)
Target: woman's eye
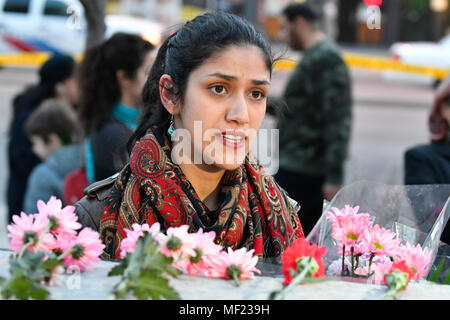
(218, 89)
(257, 95)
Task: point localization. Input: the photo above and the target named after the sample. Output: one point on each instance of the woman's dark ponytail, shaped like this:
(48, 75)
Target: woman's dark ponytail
(153, 112)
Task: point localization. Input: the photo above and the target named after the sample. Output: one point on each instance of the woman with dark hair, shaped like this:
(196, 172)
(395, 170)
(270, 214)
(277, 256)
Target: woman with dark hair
(56, 80)
(207, 91)
(112, 76)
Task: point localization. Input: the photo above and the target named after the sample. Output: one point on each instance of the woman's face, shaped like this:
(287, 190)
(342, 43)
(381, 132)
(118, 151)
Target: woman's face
(224, 105)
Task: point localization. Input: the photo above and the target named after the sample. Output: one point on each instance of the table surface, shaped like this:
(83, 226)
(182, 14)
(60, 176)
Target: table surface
(96, 285)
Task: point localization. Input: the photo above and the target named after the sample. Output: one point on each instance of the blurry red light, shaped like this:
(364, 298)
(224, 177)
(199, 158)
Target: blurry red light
(373, 2)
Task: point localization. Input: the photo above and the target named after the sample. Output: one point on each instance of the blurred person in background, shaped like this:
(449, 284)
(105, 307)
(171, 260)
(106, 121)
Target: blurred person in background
(52, 130)
(315, 127)
(56, 80)
(112, 76)
(430, 163)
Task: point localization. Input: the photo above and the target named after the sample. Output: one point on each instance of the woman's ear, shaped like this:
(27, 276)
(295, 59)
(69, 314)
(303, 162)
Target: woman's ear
(166, 92)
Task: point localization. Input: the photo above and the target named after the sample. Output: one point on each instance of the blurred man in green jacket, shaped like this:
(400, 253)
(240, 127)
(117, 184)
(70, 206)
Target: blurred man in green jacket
(315, 127)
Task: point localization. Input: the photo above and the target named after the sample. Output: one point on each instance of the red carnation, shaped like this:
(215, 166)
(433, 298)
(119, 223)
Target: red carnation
(298, 251)
(398, 277)
(373, 2)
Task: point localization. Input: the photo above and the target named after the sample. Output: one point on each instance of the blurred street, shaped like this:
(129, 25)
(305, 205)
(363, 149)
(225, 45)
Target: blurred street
(388, 118)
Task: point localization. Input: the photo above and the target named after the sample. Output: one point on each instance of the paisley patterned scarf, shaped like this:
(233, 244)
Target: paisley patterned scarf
(254, 211)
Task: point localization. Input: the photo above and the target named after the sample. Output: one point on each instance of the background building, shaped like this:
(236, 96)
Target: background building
(402, 20)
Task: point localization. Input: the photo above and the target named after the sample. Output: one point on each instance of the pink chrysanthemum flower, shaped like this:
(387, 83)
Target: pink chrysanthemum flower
(378, 268)
(28, 228)
(348, 228)
(416, 258)
(85, 250)
(380, 241)
(347, 211)
(179, 243)
(233, 264)
(129, 243)
(64, 241)
(205, 250)
(62, 220)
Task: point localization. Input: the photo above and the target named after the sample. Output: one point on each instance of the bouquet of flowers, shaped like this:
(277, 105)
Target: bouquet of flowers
(150, 257)
(46, 244)
(367, 250)
(373, 230)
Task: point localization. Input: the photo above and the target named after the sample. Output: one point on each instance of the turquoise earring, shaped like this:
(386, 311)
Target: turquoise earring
(171, 130)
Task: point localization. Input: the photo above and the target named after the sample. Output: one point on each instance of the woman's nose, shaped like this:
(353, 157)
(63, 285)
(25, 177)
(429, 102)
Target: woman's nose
(238, 110)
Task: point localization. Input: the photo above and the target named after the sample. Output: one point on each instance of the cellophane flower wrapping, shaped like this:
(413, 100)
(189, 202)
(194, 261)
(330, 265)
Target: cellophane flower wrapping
(417, 214)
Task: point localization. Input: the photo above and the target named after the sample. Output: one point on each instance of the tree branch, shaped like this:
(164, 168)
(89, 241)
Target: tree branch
(95, 11)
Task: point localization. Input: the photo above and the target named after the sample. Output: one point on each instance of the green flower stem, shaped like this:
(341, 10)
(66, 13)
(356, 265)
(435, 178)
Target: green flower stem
(41, 238)
(370, 262)
(357, 260)
(63, 255)
(343, 260)
(236, 279)
(158, 248)
(24, 248)
(393, 293)
(352, 255)
(297, 280)
(161, 245)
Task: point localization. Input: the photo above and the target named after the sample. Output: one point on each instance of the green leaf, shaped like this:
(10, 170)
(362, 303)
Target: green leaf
(50, 264)
(117, 270)
(172, 271)
(145, 272)
(39, 293)
(135, 259)
(155, 287)
(23, 288)
(447, 278)
(121, 267)
(27, 272)
(438, 271)
(20, 287)
(4, 290)
(273, 295)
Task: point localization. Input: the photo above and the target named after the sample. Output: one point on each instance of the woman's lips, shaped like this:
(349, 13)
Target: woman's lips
(234, 139)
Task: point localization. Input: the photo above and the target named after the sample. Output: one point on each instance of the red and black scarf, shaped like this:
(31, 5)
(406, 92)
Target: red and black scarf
(254, 212)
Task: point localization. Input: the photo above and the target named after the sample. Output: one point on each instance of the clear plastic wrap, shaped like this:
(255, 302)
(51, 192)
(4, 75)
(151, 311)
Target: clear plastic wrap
(417, 214)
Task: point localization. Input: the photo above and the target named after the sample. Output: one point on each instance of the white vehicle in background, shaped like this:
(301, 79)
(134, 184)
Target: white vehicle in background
(428, 54)
(423, 54)
(59, 26)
